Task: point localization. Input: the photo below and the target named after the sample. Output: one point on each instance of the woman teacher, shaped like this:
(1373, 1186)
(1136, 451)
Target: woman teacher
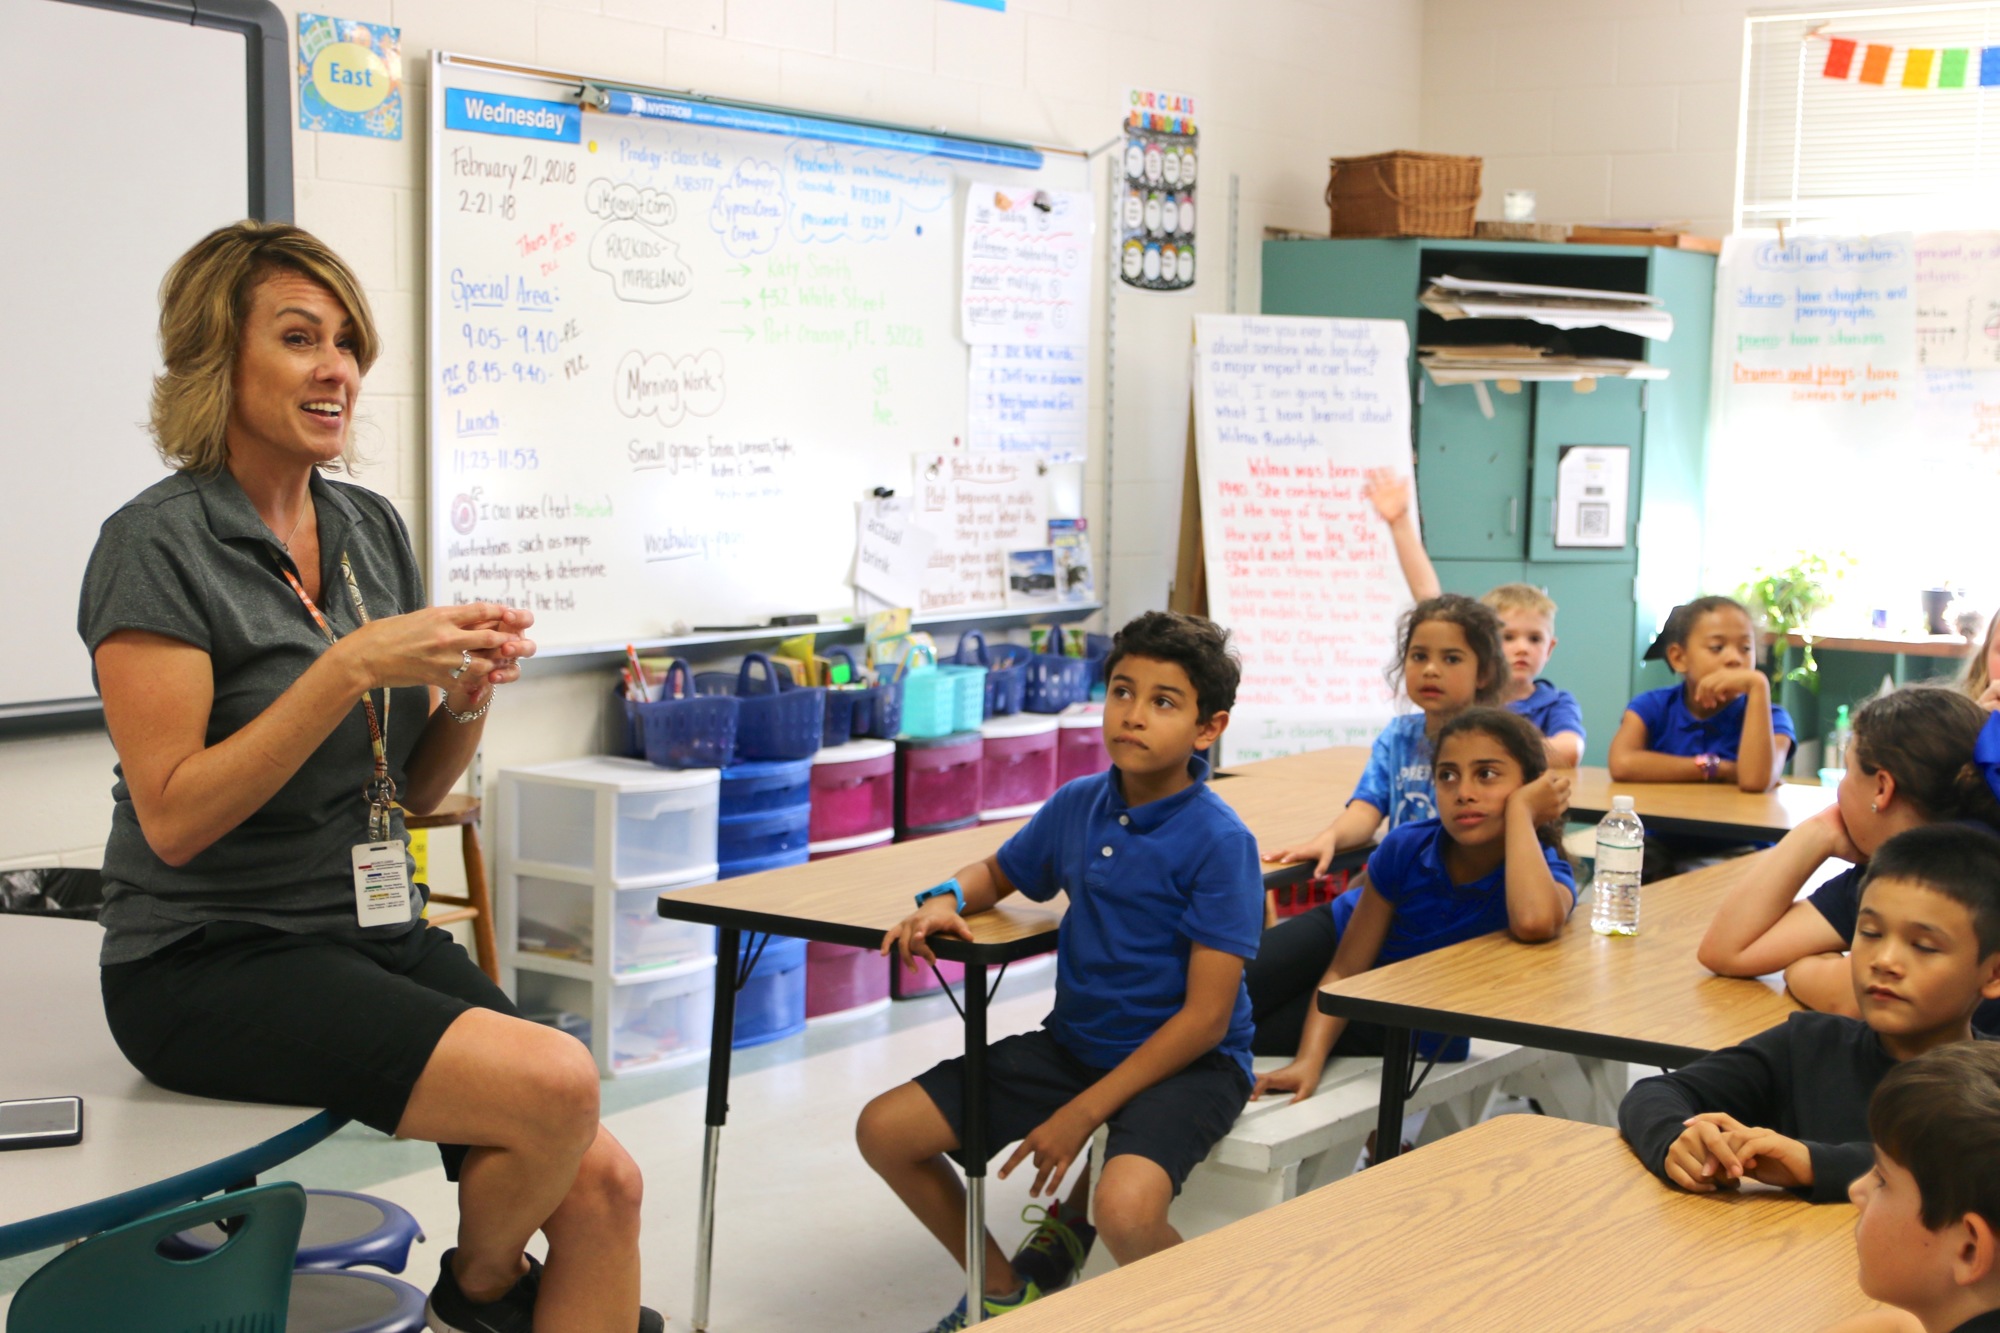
(276, 688)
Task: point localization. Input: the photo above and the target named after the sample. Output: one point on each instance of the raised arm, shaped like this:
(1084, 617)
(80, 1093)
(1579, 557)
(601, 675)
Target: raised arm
(1537, 903)
(1356, 953)
(1389, 490)
(158, 692)
(1761, 927)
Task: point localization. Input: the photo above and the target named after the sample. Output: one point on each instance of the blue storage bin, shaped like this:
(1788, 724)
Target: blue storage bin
(878, 710)
(1054, 683)
(692, 731)
(1006, 673)
(780, 953)
(749, 789)
(775, 861)
(773, 722)
(767, 833)
(771, 1005)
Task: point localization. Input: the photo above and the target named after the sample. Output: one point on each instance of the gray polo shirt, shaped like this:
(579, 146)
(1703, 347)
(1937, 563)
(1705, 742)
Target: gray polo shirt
(189, 558)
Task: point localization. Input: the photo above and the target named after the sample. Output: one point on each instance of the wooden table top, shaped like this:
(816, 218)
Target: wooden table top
(1640, 997)
(1329, 776)
(854, 899)
(1523, 1222)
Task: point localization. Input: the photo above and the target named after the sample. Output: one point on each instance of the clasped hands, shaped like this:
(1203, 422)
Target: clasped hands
(1716, 1152)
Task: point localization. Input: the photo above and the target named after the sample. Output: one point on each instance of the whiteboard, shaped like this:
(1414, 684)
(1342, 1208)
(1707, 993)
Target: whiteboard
(667, 359)
(129, 171)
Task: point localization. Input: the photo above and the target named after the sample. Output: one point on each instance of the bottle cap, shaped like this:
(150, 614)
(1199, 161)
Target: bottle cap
(1621, 803)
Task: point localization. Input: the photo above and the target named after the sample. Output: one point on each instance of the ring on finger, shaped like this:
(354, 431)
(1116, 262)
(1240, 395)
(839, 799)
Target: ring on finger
(464, 663)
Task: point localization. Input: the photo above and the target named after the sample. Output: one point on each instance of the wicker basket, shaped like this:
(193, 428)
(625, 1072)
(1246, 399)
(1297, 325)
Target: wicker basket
(1403, 194)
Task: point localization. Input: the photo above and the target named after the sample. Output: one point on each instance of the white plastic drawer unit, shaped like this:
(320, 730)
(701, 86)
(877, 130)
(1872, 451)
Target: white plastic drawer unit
(557, 918)
(654, 1023)
(619, 819)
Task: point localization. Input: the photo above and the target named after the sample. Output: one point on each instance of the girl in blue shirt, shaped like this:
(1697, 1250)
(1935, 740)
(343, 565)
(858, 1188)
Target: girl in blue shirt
(1448, 660)
(1718, 724)
(1490, 861)
(1910, 763)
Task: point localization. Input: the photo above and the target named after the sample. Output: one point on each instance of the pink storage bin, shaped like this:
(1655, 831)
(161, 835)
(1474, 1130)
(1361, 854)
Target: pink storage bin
(1018, 761)
(937, 781)
(1080, 748)
(841, 980)
(1008, 813)
(861, 842)
(853, 790)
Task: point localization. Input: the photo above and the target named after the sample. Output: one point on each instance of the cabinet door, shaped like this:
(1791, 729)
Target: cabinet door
(1611, 414)
(1470, 578)
(1593, 657)
(1472, 473)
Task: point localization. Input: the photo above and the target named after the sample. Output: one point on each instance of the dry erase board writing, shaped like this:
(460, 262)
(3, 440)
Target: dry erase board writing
(668, 357)
(1290, 416)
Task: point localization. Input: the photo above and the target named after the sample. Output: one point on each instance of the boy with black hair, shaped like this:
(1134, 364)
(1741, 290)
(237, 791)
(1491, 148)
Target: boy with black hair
(1151, 1028)
(1789, 1106)
(1930, 1205)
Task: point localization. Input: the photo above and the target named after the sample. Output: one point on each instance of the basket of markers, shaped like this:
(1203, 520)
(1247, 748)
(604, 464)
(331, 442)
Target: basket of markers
(675, 726)
(1006, 672)
(774, 722)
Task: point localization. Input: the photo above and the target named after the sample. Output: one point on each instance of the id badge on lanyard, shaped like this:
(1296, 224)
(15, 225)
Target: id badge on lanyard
(382, 894)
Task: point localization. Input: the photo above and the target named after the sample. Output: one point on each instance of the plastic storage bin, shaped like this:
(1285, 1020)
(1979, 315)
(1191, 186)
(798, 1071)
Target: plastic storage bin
(935, 830)
(1080, 748)
(691, 731)
(773, 722)
(1018, 761)
(1006, 673)
(764, 834)
(659, 1020)
(554, 918)
(937, 781)
(641, 821)
(772, 1003)
(826, 851)
(853, 790)
(757, 866)
(778, 785)
(941, 700)
(843, 981)
(1054, 683)
(1008, 813)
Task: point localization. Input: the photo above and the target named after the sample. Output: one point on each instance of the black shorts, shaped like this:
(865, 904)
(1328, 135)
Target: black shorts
(1031, 1076)
(253, 1014)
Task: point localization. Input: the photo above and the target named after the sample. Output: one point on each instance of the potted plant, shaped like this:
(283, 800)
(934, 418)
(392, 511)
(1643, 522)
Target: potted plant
(1785, 601)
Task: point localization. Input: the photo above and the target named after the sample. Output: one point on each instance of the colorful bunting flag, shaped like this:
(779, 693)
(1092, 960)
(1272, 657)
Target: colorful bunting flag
(1922, 67)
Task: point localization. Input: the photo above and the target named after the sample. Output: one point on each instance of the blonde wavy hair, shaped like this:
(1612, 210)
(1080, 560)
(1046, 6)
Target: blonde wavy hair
(203, 304)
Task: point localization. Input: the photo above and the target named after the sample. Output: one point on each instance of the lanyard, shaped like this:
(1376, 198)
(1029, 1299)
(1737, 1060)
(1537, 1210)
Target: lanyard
(380, 789)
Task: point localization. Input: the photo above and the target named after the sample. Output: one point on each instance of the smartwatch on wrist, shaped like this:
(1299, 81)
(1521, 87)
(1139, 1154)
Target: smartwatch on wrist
(1709, 765)
(950, 886)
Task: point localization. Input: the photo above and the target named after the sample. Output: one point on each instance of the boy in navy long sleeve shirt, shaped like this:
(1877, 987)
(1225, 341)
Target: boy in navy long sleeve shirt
(1789, 1106)
(1151, 1028)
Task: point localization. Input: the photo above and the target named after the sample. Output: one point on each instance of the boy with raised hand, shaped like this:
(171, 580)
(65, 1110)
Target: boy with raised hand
(1789, 1106)
(1527, 625)
(1151, 1028)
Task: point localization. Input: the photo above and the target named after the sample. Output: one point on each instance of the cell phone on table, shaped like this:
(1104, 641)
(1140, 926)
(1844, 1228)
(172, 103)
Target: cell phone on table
(41, 1122)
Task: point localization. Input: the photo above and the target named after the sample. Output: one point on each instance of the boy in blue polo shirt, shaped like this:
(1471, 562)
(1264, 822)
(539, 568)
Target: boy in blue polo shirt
(1528, 636)
(1151, 1028)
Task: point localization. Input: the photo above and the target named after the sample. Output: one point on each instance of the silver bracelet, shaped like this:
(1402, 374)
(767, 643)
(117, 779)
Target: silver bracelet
(444, 702)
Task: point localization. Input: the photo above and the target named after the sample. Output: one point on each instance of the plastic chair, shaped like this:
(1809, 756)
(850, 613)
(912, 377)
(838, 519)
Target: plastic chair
(120, 1280)
(341, 1230)
(476, 904)
(64, 891)
(326, 1301)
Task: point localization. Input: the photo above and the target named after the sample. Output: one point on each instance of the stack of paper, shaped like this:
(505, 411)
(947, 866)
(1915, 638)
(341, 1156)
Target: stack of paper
(1469, 364)
(1558, 307)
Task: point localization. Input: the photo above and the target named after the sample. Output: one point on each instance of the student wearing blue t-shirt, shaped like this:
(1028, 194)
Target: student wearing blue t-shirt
(1718, 724)
(1150, 1033)
(1490, 861)
(1447, 660)
(1911, 762)
(1528, 636)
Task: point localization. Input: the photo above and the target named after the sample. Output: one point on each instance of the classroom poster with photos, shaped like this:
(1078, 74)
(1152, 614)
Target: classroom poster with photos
(1156, 247)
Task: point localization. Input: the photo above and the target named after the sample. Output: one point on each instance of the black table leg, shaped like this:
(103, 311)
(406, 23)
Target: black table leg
(1396, 1061)
(975, 1143)
(721, 1035)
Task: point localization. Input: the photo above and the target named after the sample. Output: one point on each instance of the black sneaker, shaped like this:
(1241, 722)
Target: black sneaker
(450, 1310)
(1054, 1250)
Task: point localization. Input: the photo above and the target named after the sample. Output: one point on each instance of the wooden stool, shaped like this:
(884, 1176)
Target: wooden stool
(477, 905)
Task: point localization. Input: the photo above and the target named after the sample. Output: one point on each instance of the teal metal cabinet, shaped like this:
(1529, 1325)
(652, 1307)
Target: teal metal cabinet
(1487, 485)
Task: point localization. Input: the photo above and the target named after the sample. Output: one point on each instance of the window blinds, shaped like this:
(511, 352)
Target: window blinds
(1841, 152)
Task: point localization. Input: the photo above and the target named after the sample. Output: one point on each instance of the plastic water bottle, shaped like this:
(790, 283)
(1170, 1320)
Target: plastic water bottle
(1621, 850)
(1833, 759)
